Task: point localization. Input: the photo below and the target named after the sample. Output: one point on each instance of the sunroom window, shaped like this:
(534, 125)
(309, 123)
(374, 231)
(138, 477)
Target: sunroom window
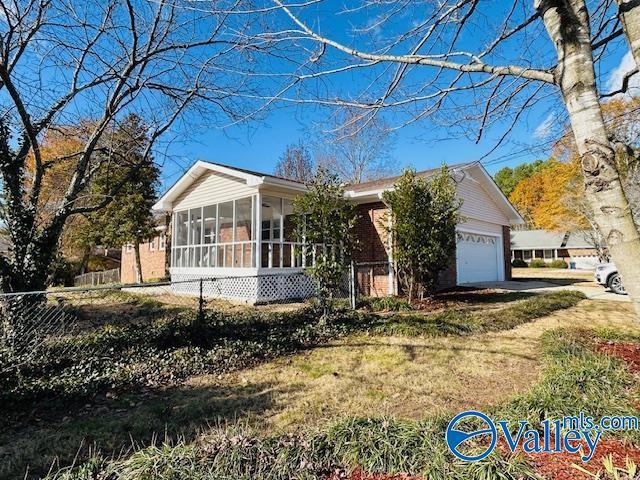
(218, 235)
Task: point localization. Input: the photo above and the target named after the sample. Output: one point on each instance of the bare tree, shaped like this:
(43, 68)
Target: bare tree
(469, 63)
(65, 61)
(296, 164)
(356, 150)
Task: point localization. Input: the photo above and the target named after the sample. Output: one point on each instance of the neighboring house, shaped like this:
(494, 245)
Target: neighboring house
(152, 258)
(572, 247)
(114, 254)
(235, 225)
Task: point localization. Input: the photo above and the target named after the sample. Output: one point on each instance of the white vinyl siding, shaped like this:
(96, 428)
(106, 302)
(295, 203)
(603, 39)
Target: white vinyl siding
(478, 225)
(210, 188)
(477, 204)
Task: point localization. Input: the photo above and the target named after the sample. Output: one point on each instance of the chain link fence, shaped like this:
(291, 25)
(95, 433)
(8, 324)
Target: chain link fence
(45, 324)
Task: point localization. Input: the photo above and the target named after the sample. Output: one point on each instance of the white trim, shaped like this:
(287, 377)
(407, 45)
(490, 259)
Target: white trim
(205, 272)
(500, 254)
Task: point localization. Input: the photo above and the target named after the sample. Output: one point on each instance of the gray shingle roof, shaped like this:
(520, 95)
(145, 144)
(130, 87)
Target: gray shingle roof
(388, 182)
(541, 239)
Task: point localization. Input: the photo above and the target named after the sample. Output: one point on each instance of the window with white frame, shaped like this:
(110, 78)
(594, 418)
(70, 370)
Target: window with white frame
(152, 244)
(218, 235)
(526, 255)
(162, 242)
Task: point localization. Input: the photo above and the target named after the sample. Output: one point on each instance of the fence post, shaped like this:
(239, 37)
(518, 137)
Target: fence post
(352, 285)
(201, 304)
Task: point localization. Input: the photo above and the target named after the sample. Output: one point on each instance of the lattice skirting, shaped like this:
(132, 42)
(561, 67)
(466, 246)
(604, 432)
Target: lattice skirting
(251, 289)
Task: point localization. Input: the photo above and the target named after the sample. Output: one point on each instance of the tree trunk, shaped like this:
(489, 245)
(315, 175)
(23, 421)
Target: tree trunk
(136, 253)
(629, 14)
(567, 23)
(84, 261)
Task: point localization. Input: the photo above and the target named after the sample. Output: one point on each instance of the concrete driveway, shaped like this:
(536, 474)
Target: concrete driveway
(590, 288)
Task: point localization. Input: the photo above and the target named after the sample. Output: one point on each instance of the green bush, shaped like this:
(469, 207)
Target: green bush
(558, 264)
(519, 263)
(537, 263)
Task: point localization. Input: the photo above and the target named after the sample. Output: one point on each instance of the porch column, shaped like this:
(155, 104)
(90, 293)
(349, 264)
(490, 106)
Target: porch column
(258, 231)
(391, 276)
(281, 249)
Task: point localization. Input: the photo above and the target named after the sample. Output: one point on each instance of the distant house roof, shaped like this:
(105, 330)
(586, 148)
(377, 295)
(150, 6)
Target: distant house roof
(543, 239)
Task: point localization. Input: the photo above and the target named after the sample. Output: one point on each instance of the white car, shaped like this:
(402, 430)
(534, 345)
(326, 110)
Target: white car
(607, 275)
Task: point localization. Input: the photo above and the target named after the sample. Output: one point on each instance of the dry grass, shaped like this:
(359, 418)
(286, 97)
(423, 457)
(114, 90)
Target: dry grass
(553, 273)
(407, 377)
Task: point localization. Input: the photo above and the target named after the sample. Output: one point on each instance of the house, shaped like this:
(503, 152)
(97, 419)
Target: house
(235, 225)
(153, 258)
(571, 247)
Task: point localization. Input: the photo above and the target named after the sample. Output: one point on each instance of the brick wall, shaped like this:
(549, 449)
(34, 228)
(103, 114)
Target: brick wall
(506, 245)
(372, 233)
(372, 279)
(153, 262)
(449, 277)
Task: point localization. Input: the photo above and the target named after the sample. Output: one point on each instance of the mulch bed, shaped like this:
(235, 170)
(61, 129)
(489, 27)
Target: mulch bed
(452, 297)
(627, 352)
(560, 466)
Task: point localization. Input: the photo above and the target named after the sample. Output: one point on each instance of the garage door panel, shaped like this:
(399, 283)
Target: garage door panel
(477, 257)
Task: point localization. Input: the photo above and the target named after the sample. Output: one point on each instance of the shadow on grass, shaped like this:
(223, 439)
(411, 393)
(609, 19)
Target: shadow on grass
(114, 426)
(487, 297)
(555, 281)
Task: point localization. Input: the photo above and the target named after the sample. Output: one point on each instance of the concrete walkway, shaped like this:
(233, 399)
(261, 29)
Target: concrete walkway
(592, 290)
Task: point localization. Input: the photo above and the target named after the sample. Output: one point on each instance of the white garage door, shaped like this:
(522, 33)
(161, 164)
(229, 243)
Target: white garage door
(477, 257)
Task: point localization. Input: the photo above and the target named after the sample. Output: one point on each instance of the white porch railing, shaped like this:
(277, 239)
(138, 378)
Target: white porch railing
(215, 255)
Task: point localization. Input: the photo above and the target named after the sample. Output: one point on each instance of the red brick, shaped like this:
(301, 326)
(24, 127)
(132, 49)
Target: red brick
(153, 262)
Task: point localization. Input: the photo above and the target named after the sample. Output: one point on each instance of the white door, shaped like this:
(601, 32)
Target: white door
(477, 258)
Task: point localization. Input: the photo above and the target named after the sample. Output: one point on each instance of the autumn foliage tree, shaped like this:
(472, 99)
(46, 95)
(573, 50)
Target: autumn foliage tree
(540, 197)
(554, 198)
(65, 61)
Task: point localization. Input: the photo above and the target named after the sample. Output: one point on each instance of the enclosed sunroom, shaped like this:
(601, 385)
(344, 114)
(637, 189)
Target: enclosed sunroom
(235, 226)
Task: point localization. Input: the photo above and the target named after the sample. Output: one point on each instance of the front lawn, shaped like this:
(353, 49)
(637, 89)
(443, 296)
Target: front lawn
(178, 377)
(575, 377)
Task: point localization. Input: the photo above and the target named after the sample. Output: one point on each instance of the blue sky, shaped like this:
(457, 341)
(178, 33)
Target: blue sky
(422, 145)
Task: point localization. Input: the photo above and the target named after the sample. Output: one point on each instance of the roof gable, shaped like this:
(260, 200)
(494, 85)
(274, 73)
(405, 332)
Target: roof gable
(377, 187)
(198, 169)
